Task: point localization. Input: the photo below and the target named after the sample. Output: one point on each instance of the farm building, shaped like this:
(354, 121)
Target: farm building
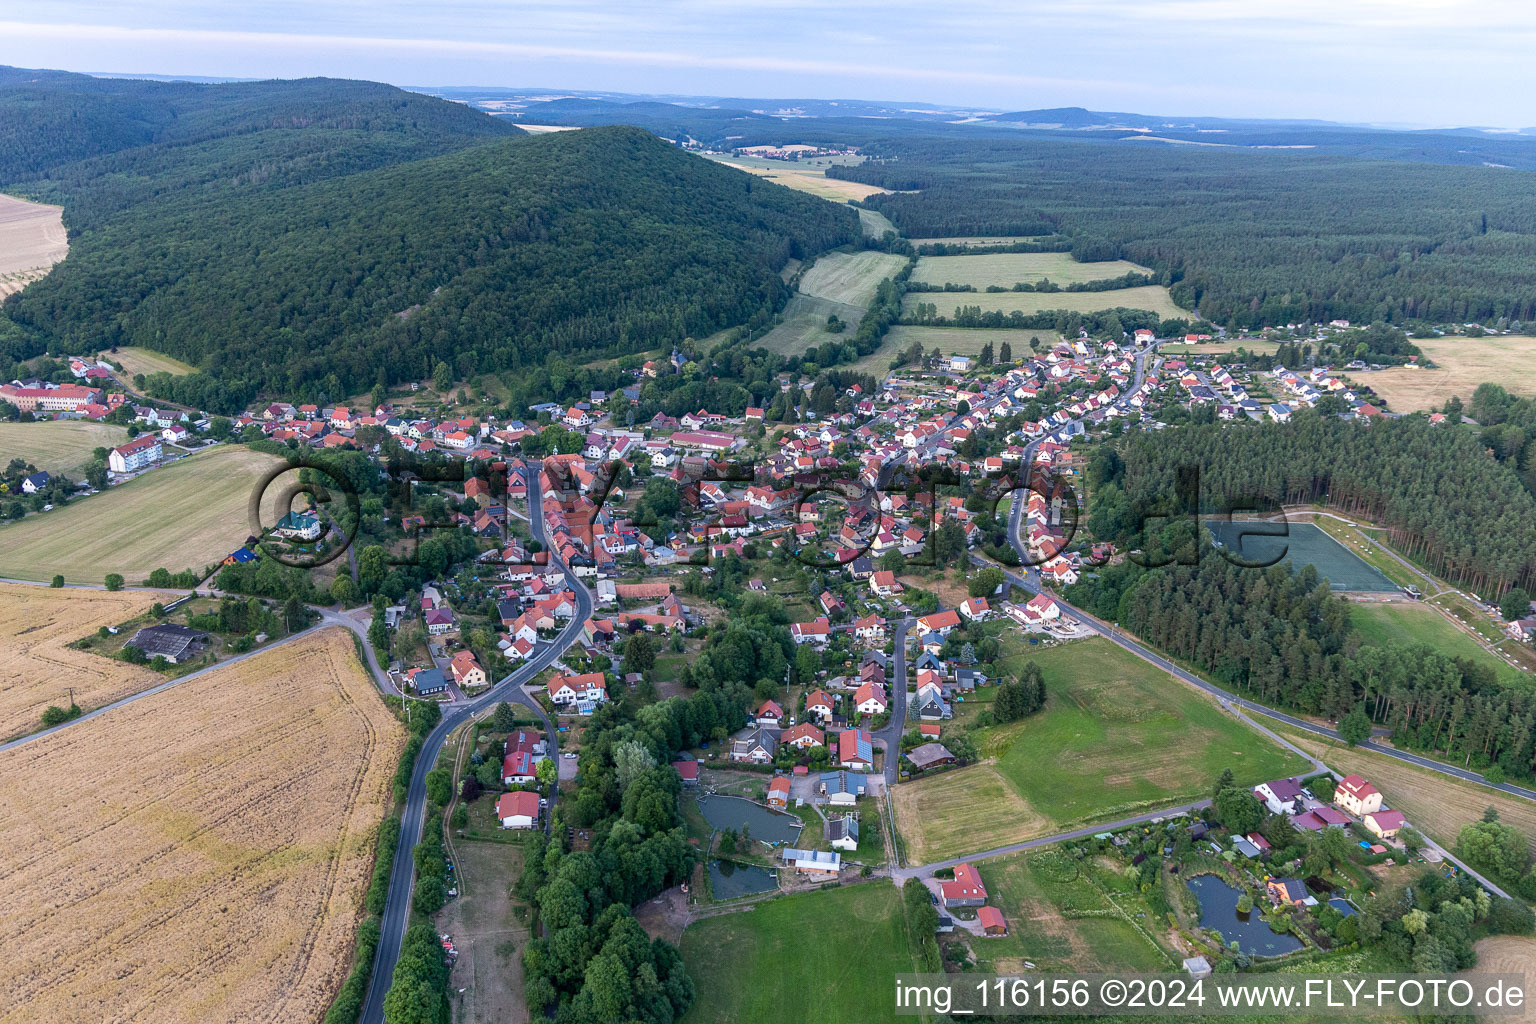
(992, 922)
(929, 755)
(169, 641)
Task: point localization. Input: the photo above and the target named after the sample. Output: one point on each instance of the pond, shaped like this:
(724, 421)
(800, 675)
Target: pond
(1218, 910)
(723, 812)
(728, 880)
(1343, 906)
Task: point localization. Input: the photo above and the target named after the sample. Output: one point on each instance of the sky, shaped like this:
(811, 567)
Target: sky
(1406, 62)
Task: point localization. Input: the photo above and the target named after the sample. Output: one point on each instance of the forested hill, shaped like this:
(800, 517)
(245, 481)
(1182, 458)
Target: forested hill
(321, 234)
(595, 242)
(103, 144)
(1251, 239)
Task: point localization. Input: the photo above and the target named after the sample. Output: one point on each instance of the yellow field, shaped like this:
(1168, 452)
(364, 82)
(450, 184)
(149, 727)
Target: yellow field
(58, 446)
(1508, 954)
(961, 812)
(1437, 805)
(1463, 363)
(32, 240)
(179, 516)
(36, 665)
(849, 277)
(146, 361)
(803, 176)
(1153, 298)
(1006, 269)
(198, 856)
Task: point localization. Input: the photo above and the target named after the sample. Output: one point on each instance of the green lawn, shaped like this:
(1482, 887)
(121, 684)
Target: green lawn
(1394, 623)
(1151, 297)
(1117, 735)
(1041, 896)
(953, 341)
(186, 514)
(1006, 269)
(819, 956)
(849, 277)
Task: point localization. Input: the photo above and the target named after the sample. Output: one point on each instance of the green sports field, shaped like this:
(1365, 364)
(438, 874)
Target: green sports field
(1302, 544)
(1394, 623)
(179, 516)
(818, 956)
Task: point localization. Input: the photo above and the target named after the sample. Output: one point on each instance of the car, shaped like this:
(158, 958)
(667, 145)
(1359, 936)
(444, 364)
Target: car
(568, 754)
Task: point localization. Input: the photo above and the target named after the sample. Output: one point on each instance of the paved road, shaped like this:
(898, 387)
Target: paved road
(397, 907)
(891, 734)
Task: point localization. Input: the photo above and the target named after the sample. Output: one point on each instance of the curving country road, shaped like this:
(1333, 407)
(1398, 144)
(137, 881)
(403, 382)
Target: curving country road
(397, 907)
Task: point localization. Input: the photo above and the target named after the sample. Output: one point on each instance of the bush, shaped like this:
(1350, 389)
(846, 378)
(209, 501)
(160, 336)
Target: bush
(56, 715)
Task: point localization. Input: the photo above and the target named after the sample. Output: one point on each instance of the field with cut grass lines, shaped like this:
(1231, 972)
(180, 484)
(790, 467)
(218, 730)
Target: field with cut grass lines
(1151, 297)
(58, 446)
(199, 856)
(183, 515)
(1005, 269)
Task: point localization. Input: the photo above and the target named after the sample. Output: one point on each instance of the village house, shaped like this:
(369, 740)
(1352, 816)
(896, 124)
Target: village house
(856, 750)
(518, 810)
(804, 736)
(965, 890)
(1384, 824)
(1357, 796)
(574, 689)
(755, 745)
(778, 792)
(841, 788)
(466, 670)
(842, 833)
(1287, 891)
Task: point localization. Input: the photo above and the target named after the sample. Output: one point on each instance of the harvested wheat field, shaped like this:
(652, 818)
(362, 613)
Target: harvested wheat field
(1508, 954)
(32, 240)
(1462, 364)
(36, 664)
(199, 856)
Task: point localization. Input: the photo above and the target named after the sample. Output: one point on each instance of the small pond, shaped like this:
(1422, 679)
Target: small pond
(728, 880)
(1218, 910)
(1343, 906)
(723, 812)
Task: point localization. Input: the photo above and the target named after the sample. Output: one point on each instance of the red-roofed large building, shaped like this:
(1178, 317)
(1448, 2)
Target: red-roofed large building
(135, 455)
(64, 398)
(466, 669)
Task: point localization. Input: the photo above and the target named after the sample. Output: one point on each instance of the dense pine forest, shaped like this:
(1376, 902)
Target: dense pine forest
(1445, 500)
(353, 234)
(1249, 239)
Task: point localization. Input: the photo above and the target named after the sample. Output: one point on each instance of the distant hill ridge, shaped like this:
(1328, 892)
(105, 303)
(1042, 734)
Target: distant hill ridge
(271, 233)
